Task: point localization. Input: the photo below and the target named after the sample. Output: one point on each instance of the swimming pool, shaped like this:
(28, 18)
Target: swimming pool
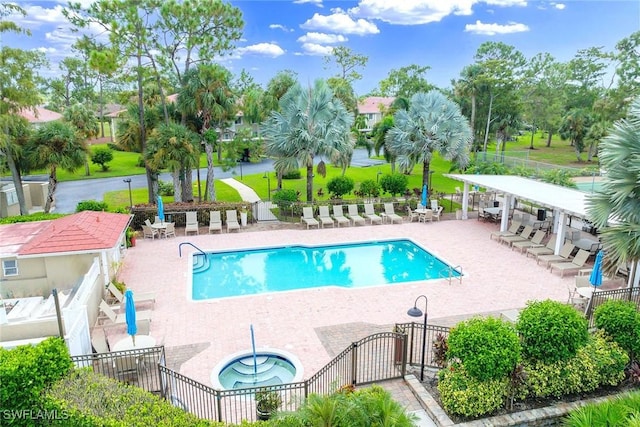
(353, 265)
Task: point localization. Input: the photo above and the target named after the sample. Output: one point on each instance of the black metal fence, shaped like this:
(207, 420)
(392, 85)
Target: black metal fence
(414, 333)
(598, 298)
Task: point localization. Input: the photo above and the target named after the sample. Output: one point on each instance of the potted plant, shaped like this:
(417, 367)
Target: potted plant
(130, 235)
(267, 402)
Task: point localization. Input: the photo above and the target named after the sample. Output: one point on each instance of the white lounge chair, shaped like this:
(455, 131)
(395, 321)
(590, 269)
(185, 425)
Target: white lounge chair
(547, 249)
(324, 217)
(524, 235)
(215, 222)
(390, 213)
(192, 223)
(536, 240)
(137, 297)
(354, 216)
(370, 213)
(512, 231)
(564, 255)
(232, 221)
(338, 215)
(576, 263)
(307, 217)
(120, 319)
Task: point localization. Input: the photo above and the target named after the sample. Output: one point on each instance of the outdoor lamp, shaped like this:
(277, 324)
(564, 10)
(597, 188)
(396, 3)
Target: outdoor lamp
(416, 312)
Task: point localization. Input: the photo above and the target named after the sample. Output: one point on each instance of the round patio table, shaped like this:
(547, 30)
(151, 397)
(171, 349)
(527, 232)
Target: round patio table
(142, 341)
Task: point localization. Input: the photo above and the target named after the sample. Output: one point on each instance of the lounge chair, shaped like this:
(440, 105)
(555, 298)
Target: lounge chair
(354, 216)
(547, 249)
(120, 319)
(232, 220)
(307, 217)
(169, 230)
(215, 223)
(512, 231)
(576, 263)
(524, 235)
(371, 214)
(100, 343)
(324, 217)
(412, 214)
(192, 223)
(536, 240)
(564, 255)
(391, 213)
(142, 297)
(338, 215)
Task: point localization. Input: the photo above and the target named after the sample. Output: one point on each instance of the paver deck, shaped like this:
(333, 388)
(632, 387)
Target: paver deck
(495, 278)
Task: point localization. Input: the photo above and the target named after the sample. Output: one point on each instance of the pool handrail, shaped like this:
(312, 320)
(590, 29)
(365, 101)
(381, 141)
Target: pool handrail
(450, 270)
(190, 244)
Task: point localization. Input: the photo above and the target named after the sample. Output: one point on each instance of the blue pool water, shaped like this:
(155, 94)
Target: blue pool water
(355, 265)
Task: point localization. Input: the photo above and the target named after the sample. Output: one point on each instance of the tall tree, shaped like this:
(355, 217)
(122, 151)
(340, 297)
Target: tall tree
(347, 62)
(86, 124)
(615, 210)
(277, 87)
(311, 122)
(405, 82)
(575, 127)
(433, 123)
(56, 145)
(469, 85)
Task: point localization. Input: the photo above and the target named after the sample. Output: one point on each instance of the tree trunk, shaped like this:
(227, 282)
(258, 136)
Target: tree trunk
(53, 182)
(177, 193)
(590, 153)
(211, 191)
(279, 176)
(310, 180)
(533, 132)
(17, 182)
(550, 132)
(473, 121)
(425, 173)
(486, 132)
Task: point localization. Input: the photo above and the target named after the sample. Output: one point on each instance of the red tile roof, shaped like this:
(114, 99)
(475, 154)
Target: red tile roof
(372, 104)
(41, 115)
(81, 232)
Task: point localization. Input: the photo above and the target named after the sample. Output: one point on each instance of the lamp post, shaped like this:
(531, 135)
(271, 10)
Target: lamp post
(416, 312)
(266, 175)
(378, 175)
(128, 181)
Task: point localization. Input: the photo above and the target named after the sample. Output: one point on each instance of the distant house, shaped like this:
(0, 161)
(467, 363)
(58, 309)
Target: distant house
(39, 115)
(372, 108)
(35, 195)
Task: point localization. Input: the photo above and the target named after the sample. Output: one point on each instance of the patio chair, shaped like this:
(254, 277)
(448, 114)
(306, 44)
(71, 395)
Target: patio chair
(338, 215)
(412, 214)
(536, 240)
(148, 231)
(126, 368)
(215, 223)
(524, 235)
(142, 297)
(307, 217)
(169, 230)
(437, 212)
(232, 220)
(120, 319)
(425, 216)
(324, 217)
(512, 231)
(564, 255)
(576, 263)
(391, 214)
(370, 213)
(192, 223)
(547, 249)
(354, 216)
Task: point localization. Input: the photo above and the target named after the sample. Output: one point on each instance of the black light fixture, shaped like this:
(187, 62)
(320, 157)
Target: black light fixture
(266, 175)
(416, 312)
(128, 181)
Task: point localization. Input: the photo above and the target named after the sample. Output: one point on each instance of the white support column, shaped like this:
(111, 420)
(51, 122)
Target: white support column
(562, 219)
(506, 207)
(556, 221)
(465, 201)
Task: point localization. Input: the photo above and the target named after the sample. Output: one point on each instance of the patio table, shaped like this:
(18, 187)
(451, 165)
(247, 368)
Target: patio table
(142, 341)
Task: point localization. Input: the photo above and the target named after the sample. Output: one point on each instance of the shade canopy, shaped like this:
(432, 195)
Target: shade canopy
(425, 195)
(160, 209)
(130, 314)
(596, 274)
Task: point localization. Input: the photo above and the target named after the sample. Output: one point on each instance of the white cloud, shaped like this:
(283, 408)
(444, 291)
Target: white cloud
(340, 22)
(315, 49)
(280, 27)
(411, 12)
(322, 38)
(506, 3)
(38, 15)
(316, 2)
(559, 6)
(493, 29)
(262, 49)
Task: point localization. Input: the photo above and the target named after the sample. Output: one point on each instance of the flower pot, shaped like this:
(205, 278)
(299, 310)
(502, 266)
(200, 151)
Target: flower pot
(133, 241)
(263, 415)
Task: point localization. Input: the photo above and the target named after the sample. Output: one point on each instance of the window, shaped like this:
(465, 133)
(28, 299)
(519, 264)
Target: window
(239, 120)
(12, 197)
(10, 267)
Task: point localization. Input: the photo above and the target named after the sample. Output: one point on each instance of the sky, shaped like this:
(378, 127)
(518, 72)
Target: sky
(441, 34)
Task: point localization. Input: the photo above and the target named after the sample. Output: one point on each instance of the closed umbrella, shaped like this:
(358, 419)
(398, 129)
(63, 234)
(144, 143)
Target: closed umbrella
(130, 315)
(596, 274)
(425, 194)
(160, 209)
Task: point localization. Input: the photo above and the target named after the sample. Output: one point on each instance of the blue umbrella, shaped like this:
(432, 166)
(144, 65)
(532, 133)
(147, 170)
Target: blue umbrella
(596, 274)
(130, 315)
(160, 209)
(425, 194)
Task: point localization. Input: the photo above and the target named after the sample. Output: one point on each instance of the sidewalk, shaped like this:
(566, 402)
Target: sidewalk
(261, 210)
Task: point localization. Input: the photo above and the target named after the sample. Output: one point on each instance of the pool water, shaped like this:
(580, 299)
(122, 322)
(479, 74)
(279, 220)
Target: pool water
(355, 265)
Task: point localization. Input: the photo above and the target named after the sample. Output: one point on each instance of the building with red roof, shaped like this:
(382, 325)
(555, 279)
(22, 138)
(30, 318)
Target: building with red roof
(373, 108)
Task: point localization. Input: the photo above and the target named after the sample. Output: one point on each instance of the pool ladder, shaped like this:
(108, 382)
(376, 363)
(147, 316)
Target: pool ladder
(449, 273)
(200, 252)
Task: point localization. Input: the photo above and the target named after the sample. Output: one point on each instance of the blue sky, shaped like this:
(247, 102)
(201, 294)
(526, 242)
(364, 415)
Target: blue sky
(442, 34)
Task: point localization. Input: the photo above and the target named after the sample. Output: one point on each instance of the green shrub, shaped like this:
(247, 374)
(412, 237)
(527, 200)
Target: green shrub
(394, 184)
(461, 394)
(340, 185)
(91, 205)
(101, 156)
(551, 331)
(598, 363)
(369, 188)
(294, 174)
(26, 371)
(285, 196)
(165, 188)
(623, 411)
(93, 399)
(489, 348)
(621, 321)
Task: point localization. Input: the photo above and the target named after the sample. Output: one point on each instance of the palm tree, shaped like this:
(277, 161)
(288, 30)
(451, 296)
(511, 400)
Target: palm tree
(207, 92)
(615, 210)
(469, 85)
(56, 144)
(312, 122)
(14, 135)
(433, 123)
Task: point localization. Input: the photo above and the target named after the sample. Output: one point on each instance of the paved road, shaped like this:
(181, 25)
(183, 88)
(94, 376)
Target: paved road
(69, 193)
